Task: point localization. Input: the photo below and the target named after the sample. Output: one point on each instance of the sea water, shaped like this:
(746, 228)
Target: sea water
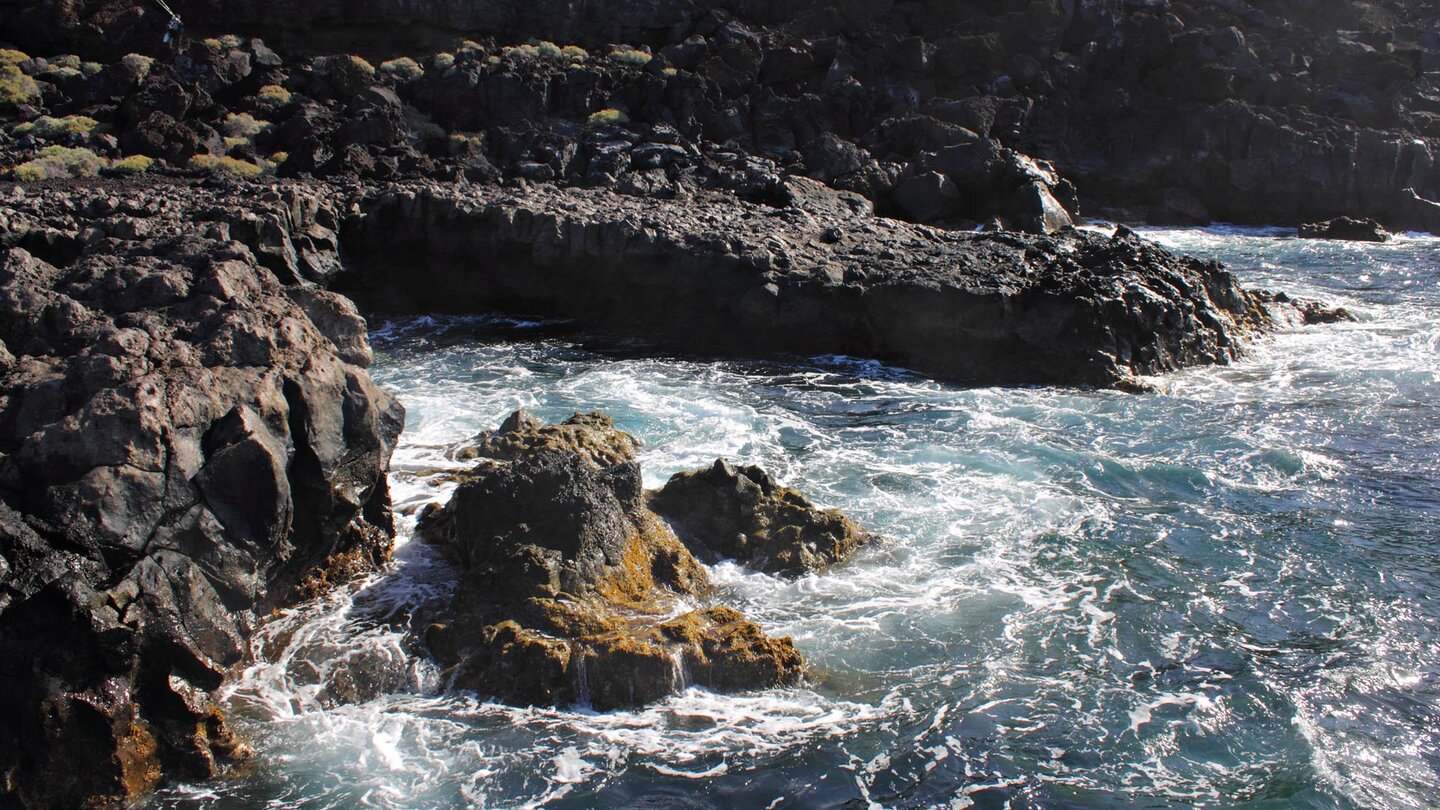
(1223, 593)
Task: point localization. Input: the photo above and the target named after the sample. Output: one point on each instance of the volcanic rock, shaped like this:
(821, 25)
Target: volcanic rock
(1345, 229)
(741, 513)
(571, 589)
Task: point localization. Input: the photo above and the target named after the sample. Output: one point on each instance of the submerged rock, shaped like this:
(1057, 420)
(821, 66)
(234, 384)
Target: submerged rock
(740, 513)
(571, 589)
(1345, 229)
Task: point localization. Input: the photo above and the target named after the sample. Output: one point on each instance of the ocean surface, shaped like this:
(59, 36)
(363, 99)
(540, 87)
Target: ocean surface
(1220, 594)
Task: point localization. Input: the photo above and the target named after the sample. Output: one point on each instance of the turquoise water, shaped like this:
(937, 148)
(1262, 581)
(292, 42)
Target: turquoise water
(1219, 594)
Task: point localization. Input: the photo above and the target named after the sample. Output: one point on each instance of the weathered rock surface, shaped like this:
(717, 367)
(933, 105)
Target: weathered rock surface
(1346, 229)
(742, 514)
(571, 587)
(812, 272)
(185, 444)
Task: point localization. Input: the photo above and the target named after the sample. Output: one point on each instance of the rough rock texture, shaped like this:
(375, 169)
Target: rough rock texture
(571, 587)
(1347, 229)
(742, 514)
(185, 444)
(1275, 112)
(811, 272)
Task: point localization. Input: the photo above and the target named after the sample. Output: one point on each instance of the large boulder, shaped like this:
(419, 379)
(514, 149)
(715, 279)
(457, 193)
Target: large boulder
(741, 513)
(571, 590)
(1346, 229)
(185, 447)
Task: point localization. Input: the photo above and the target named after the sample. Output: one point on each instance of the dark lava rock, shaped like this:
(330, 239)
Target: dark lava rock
(740, 513)
(1345, 229)
(570, 587)
(184, 448)
(709, 273)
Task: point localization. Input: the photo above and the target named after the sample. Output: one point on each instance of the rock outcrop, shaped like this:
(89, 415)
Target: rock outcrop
(1345, 229)
(185, 444)
(571, 589)
(742, 514)
(811, 272)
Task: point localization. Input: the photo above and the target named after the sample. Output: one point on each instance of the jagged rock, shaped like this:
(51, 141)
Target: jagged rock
(740, 513)
(1345, 229)
(707, 273)
(570, 585)
(183, 449)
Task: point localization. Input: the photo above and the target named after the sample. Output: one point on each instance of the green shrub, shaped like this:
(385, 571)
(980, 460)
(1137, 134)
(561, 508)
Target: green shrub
(574, 53)
(16, 87)
(471, 45)
(52, 128)
(669, 71)
(9, 57)
(231, 41)
(244, 126)
(274, 95)
(30, 172)
(443, 61)
(138, 64)
(361, 65)
(135, 164)
(62, 74)
(91, 68)
(403, 69)
(548, 49)
(60, 161)
(213, 43)
(631, 57)
(229, 165)
(68, 60)
(609, 115)
(521, 51)
(279, 157)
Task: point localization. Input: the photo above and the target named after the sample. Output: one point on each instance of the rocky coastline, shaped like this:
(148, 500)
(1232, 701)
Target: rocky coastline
(192, 233)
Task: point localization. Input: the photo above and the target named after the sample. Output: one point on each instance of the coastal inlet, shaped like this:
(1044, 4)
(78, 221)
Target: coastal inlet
(1215, 594)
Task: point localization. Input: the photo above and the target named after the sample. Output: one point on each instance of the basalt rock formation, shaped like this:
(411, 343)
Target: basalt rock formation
(1187, 111)
(185, 444)
(1346, 229)
(570, 586)
(811, 272)
(742, 514)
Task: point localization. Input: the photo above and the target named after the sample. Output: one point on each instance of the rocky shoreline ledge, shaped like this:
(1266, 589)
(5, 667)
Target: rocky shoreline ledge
(191, 439)
(192, 231)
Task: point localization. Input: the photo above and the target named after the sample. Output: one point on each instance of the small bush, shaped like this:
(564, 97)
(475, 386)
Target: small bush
(9, 57)
(213, 43)
(231, 41)
(62, 74)
(403, 69)
(135, 164)
(361, 65)
(244, 126)
(548, 49)
(235, 142)
(16, 87)
(631, 57)
(53, 128)
(443, 61)
(228, 165)
(279, 157)
(521, 51)
(471, 45)
(60, 161)
(91, 68)
(31, 172)
(138, 64)
(609, 115)
(274, 95)
(574, 53)
(68, 60)
(669, 72)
